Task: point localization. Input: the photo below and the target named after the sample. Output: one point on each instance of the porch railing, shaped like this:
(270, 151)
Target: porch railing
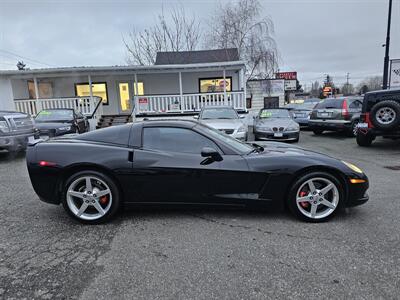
(156, 104)
(86, 105)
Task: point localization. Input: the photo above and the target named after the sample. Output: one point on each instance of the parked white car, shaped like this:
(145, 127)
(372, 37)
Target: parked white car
(226, 119)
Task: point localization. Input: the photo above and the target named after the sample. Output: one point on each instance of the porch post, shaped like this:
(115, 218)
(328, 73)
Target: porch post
(224, 75)
(38, 103)
(91, 91)
(244, 86)
(180, 91)
(135, 94)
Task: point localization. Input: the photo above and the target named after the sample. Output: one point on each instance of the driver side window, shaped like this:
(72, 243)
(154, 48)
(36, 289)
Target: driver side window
(172, 139)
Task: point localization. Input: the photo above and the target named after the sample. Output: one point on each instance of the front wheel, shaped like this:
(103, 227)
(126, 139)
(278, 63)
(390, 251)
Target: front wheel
(315, 197)
(318, 131)
(91, 197)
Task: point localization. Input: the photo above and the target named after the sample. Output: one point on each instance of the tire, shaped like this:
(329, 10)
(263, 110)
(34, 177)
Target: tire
(304, 210)
(364, 140)
(91, 214)
(317, 131)
(352, 131)
(385, 115)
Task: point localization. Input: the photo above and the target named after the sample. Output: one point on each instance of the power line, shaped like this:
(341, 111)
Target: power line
(24, 57)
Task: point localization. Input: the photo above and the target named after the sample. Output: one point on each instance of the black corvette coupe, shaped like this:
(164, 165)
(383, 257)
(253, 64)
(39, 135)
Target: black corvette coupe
(184, 162)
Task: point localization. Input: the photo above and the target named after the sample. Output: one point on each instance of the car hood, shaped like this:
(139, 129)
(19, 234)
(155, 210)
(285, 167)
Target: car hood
(278, 122)
(51, 125)
(223, 123)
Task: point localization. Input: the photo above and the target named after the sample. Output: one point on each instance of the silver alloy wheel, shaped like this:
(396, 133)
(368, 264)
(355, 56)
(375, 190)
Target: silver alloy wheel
(355, 128)
(89, 198)
(385, 115)
(317, 198)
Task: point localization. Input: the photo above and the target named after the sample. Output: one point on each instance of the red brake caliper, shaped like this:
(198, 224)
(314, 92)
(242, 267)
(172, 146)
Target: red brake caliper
(103, 200)
(304, 204)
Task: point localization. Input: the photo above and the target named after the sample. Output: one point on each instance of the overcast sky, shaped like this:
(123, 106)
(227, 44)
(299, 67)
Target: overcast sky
(314, 37)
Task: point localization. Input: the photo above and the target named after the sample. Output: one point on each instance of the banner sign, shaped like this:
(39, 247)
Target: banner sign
(286, 75)
(290, 85)
(394, 73)
(273, 87)
(143, 104)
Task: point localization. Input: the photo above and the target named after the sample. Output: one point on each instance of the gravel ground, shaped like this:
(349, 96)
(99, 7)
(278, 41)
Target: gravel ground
(205, 254)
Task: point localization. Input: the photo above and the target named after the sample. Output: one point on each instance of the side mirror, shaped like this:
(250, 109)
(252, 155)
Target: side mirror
(196, 117)
(211, 153)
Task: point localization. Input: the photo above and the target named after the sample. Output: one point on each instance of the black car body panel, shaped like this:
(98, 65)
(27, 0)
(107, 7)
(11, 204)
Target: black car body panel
(154, 176)
(60, 126)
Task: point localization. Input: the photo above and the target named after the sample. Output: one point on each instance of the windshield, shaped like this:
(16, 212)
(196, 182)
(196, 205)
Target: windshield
(219, 113)
(274, 113)
(55, 115)
(241, 147)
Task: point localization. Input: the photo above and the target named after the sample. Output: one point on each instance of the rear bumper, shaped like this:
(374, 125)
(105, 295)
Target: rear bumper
(395, 134)
(333, 125)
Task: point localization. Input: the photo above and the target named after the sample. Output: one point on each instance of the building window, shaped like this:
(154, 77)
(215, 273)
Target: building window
(45, 90)
(248, 102)
(99, 89)
(212, 85)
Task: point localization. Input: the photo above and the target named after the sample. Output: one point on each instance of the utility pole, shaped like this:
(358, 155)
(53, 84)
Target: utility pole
(387, 45)
(347, 79)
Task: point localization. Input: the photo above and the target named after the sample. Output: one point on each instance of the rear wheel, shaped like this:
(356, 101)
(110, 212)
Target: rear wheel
(91, 197)
(315, 197)
(352, 131)
(364, 140)
(318, 131)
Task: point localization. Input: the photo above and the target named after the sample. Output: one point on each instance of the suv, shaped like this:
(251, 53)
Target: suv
(380, 116)
(16, 129)
(336, 114)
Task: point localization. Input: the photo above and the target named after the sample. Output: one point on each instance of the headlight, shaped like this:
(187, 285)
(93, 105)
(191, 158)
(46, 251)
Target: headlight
(242, 129)
(263, 128)
(353, 167)
(292, 128)
(66, 128)
(4, 126)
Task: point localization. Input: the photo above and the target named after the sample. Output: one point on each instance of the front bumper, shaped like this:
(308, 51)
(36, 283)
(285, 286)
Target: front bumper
(357, 193)
(55, 132)
(11, 142)
(286, 136)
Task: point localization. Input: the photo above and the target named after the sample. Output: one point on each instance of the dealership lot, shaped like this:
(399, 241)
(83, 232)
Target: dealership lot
(204, 253)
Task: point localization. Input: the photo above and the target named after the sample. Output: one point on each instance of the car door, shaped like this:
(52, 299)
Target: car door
(80, 121)
(169, 167)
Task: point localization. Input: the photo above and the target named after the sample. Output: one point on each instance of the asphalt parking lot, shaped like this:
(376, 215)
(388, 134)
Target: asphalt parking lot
(206, 254)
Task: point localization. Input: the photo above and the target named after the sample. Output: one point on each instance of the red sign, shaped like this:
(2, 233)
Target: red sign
(142, 100)
(286, 75)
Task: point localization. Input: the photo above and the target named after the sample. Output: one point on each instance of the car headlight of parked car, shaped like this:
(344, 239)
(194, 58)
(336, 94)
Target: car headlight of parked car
(353, 167)
(292, 128)
(4, 126)
(65, 128)
(242, 129)
(263, 128)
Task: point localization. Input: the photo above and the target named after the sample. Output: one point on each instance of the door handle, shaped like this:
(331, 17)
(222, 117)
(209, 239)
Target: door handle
(130, 156)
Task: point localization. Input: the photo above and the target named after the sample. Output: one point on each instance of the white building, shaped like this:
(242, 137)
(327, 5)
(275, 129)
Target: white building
(179, 83)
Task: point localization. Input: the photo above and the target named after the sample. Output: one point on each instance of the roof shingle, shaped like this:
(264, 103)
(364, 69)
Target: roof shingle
(194, 57)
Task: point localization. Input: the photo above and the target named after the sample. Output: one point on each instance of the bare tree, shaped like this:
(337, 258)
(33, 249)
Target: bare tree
(370, 84)
(347, 89)
(177, 32)
(239, 25)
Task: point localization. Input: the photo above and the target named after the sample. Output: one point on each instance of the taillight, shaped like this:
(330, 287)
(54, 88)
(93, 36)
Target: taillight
(365, 118)
(345, 110)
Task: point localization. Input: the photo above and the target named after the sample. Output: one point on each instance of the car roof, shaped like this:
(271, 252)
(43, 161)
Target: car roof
(216, 107)
(57, 109)
(168, 122)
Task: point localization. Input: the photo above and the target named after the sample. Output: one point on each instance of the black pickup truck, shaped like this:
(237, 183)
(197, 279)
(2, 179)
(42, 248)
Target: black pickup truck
(380, 116)
(16, 129)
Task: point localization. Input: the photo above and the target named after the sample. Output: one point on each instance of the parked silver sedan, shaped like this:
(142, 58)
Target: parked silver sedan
(225, 119)
(276, 124)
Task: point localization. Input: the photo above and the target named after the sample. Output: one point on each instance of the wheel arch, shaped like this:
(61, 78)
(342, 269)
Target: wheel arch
(75, 168)
(330, 170)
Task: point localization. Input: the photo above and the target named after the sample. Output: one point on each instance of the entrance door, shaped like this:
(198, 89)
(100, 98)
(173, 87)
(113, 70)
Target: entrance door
(126, 92)
(124, 97)
(271, 102)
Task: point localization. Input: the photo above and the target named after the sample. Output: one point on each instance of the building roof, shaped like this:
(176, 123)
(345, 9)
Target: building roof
(123, 69)
(195, 57)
